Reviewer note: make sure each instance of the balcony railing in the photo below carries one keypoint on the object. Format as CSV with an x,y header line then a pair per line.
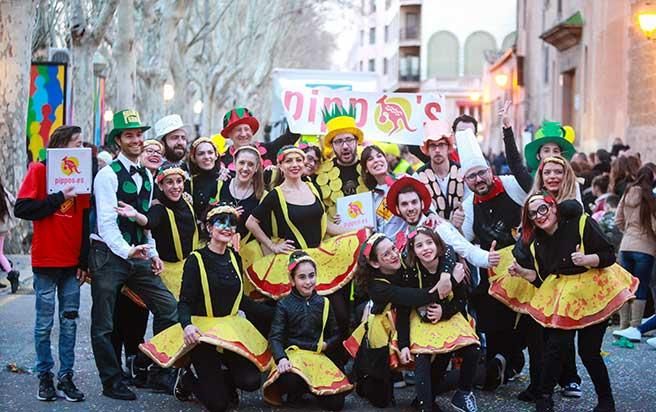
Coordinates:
x,y
409,33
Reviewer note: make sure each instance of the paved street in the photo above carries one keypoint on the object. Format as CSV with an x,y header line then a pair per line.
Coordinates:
x,y
632,374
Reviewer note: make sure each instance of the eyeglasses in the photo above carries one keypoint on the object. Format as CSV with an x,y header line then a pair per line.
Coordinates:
x,y
480,174
151,152
225,222
342,142
542,210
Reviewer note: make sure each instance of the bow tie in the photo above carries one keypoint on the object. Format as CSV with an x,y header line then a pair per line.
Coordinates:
x,y
137,169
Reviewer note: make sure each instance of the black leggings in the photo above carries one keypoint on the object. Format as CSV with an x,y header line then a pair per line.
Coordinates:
x,y
215,385
429,374
339,302
292,384
130,323
559,342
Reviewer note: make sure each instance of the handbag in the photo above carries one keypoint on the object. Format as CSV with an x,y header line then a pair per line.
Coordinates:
x,y
373,375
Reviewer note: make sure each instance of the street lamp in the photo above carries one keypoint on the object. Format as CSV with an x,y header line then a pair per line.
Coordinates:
x,y
108,116
168,92
647,21
198,107
475,97
501,80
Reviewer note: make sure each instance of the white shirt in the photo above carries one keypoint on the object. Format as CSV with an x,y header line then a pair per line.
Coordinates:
x,y
105,187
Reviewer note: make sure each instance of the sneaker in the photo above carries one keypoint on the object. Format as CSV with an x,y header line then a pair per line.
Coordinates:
x,y
67,389
12,277
631,333
397,378
494,372
652,342
46,390
181,388
572,390
464,401
418,406
118,390
645,320
409,377
544,404
138,373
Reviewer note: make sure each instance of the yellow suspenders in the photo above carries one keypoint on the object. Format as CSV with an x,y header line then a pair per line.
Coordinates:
x,y
177,243
582,220
206,286
326,309
290,224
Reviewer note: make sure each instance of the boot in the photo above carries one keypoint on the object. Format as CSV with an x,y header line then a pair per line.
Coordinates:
x,y
13,276
637,310
625,315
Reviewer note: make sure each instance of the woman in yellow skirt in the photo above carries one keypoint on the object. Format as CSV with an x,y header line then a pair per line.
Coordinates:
x,y
303,335
565,255
433,342
225,349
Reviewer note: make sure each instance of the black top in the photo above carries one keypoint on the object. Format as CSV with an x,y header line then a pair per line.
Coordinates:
x,y
160,227
248,204
349,176
306,218
224,287
553,252
383,293
514,159
299,321
204,189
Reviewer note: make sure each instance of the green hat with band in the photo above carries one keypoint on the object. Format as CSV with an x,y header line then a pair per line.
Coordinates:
x,y
550,132
124,120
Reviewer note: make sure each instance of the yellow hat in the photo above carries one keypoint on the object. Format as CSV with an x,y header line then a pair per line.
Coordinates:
x,y
338,121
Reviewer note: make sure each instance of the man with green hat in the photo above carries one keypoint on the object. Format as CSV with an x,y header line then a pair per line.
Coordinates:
x,y
122,252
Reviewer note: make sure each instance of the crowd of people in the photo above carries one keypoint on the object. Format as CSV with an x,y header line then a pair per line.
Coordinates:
x,y
254,283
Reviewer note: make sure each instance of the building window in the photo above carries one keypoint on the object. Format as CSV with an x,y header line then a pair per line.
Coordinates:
x,y
546,64
409,68
386,34
411,29
388,3
361,66
443,55
372,35
372,5
361,37
372,65
385,68
475,47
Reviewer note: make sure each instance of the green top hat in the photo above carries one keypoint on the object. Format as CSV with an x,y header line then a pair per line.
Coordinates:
x,y
550,132
124,120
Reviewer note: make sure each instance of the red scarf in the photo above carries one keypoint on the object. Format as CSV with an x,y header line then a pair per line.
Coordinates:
x,y
496,190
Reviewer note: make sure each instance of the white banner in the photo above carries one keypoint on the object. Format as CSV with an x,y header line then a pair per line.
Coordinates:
x,y
387,117
69,167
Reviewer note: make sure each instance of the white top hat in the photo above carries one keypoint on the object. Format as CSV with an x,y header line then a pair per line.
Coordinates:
x,y
169,123
469,151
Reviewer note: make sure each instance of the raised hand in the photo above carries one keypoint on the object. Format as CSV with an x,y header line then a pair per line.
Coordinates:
x,y
458,217
493,257
459,272
125,210
504,115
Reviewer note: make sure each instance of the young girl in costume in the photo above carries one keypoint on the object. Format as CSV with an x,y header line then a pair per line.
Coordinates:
x,y
225,349
432,343
579,286
303,332
379,276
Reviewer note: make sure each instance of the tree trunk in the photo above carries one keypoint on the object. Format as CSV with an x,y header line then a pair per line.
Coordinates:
x,y
126,60
15,54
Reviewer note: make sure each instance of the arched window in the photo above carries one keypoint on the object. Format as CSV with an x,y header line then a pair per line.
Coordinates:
x,y
443,55
508,41
475,46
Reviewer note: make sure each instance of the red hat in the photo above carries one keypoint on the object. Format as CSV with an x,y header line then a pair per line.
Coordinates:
x,y
393,194
237,116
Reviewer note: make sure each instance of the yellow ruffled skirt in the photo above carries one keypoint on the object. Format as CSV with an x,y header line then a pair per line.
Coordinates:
x,y
513,291
336,259
566,301
233,333
316,369
441,337
381,332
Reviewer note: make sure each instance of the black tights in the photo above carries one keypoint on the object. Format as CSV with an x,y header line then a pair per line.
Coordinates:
x,y
215,385
339,303
292,384
429,374
559,342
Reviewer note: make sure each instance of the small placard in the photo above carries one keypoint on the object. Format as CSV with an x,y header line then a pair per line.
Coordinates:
x,y
69,167
356,211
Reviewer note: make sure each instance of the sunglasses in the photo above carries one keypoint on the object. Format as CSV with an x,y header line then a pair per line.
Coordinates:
x,y
225,222
542,210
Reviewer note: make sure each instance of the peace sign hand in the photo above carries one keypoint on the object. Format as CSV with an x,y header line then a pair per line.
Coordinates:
x,y
504,116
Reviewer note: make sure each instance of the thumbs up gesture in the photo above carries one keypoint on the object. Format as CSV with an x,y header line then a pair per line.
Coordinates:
x,y
493,257
458,217
578,258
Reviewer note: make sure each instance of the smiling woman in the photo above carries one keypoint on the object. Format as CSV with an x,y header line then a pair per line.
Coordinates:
x,y
555,175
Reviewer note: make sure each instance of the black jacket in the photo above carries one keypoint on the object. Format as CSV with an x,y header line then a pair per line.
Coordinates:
x,y
298,321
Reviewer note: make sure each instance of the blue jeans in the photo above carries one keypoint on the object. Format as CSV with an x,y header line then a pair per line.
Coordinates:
x,y
65,285
640,265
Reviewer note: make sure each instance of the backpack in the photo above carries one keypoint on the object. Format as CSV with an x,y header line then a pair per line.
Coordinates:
x,y
372,374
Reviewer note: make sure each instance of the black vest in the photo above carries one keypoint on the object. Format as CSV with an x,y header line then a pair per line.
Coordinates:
x,y
495,219
127,192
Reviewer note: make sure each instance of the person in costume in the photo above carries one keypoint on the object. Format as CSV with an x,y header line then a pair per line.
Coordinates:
x,y
374,165
397,164
152,155
441,175
432,343
59,259
313,160
210,298
342,175
565,255
492,216
379,275
409,199
174,134
240,126
303,335
122,252
555,175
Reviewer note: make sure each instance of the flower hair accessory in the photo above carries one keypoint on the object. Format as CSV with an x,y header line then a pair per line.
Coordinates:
x,y
368,246
294,261
222,208
552,159
168,171
285,150
421,229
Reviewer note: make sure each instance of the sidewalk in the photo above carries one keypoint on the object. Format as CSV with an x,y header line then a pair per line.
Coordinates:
x,y
22,263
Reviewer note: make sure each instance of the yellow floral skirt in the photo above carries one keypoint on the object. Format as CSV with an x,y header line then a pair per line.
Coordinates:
x,y
336,260
233,333
513,291
381,332
316,369
441,337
